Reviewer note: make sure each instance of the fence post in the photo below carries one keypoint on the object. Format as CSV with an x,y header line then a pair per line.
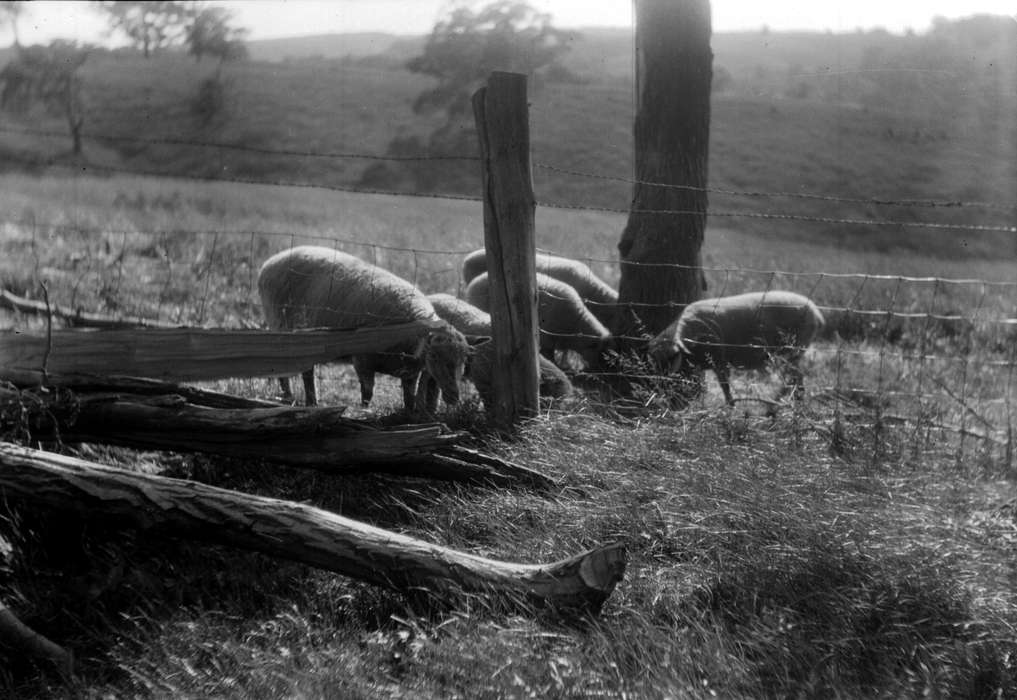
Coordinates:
x,y
500,110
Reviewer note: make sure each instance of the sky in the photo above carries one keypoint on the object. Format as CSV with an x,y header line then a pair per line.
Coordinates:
x,y
45,20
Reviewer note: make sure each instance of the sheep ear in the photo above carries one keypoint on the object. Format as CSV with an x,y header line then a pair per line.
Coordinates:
x,y
475,341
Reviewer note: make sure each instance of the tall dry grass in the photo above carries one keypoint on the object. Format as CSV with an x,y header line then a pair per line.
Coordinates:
x,y
853,546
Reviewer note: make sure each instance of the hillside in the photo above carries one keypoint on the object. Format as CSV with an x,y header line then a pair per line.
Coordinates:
x,y
792,113
321,47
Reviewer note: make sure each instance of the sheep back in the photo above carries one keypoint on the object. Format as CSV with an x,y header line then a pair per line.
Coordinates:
x,y
464,316
311,286
565,321
744,330
595,292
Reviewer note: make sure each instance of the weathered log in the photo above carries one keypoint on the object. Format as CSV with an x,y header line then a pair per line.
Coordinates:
x,y
192,354
314,437
109,384
16,635
75,317
302,533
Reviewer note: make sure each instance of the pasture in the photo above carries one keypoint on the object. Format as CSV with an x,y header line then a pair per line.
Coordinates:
x,y
859,544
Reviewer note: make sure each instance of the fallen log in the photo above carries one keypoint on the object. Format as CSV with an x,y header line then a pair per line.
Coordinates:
x,y
74,317
302,533
93,383
191,354
313,437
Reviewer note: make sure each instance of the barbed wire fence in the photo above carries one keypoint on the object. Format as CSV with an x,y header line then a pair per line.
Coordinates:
x,y
923,354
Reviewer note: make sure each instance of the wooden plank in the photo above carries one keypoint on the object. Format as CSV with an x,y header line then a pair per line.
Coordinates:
x,y
192,354
501,116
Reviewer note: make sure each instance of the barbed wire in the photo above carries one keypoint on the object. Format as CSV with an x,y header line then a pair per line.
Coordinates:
x,y
786,217
796,195
876,201
331,238
79,168
262,150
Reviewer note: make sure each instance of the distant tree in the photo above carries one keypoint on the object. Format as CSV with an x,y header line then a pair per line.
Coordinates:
x,y
47,76
462,50
150,25
10,13
210,33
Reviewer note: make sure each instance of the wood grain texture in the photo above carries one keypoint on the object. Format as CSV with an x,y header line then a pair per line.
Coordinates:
x,y
302,533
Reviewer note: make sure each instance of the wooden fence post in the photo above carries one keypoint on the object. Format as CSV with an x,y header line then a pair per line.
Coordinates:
x,y
500,110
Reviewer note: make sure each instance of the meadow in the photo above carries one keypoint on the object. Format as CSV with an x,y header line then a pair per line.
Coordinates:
x,y
852,546
858,544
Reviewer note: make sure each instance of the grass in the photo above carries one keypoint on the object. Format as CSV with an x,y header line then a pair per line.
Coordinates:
x,y
857,545
832,551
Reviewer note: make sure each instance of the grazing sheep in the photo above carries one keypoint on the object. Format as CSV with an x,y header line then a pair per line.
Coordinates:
x,y
312,286
597,294
747,331
565,322
471,321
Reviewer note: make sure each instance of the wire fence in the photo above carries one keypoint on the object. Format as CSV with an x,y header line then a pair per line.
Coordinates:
x,y
898,352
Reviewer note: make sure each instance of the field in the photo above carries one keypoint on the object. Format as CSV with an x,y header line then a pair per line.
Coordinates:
x,y
817,553
859,544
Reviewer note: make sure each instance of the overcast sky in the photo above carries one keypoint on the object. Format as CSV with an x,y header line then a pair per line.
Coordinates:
x,y
46,20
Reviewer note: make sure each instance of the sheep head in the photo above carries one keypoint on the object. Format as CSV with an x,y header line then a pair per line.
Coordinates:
x,y
668,353
444,351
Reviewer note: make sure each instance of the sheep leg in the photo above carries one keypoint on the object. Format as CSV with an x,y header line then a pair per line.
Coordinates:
x,y
794,383
310,395
410,391
284,388
723,373
427,394
365,374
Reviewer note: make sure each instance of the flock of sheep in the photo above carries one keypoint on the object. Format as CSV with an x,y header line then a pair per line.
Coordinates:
x,y
313,286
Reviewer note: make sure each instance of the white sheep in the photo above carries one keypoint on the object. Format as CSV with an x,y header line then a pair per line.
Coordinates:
x,y
564,320
747,331
471,321
313,286
597,294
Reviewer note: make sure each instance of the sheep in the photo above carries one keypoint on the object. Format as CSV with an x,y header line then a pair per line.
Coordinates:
x,y
565,322
597,294
312,286
471,321
746,331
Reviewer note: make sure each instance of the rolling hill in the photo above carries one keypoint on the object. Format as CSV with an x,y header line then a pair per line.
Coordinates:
x,y
845,117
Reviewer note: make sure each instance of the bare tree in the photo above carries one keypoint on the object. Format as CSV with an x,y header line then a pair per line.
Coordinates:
x,y
47,76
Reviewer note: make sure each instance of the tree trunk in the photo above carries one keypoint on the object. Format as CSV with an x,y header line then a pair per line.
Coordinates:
x,y
301,533
661,264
